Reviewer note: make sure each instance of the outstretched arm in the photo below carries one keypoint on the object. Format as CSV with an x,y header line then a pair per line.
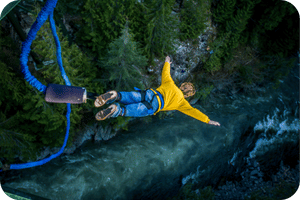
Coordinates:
x,y
187,109
166,76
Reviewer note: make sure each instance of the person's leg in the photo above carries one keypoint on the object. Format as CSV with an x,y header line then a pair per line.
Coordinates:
x,y
131,110
114,96
115,110
129,97
135,109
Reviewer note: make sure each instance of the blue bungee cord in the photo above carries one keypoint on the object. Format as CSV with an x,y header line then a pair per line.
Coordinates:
x,y
47,11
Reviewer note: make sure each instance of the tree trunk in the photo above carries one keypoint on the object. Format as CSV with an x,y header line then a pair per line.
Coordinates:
x,y
15,23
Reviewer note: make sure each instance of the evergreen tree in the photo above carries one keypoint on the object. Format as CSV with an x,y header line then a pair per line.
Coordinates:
x,y
80,72
27,121
238,23
161,27
273,27
269,13
253,22
12,142
224,11
214,62
125,62
138,21
193,17
103,21
232,17
284,41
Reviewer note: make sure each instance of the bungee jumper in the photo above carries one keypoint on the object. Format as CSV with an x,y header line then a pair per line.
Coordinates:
x,y
137,104
142,103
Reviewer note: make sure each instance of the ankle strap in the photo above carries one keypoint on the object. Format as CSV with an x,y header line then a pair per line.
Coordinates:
x,y
119,97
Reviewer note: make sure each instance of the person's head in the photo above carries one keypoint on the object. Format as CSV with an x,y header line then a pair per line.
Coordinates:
x,y
187,89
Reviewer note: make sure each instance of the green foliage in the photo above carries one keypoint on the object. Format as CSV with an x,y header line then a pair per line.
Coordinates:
x,y
103,21
27,121
238,25
266,26
120,123
125,62
72,7
232,24
12,142
220,52
161,28
193,17
10,52
204,91
187,193
246,73
280,68
224,11
147,119
282,190
272,28
138,22
207,193
45,120
214,62
10,87
164,114
80,71
275,68
269,14
15,143
283,41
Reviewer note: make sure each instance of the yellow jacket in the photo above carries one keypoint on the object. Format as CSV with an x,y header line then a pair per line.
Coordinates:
x,y
174,99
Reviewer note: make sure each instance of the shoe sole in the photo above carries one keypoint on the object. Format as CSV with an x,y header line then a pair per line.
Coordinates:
x,y
106,113
102,99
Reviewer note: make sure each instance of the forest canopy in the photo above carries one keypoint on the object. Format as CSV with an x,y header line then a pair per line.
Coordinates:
x,y
108,44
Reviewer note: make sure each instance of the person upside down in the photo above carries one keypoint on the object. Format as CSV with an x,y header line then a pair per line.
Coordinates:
x,y
142,103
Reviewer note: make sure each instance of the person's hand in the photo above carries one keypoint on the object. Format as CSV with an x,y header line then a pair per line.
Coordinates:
x,y
168,59
214,123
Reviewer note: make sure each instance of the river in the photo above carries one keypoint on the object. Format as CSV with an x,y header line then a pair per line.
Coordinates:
x,y
154,160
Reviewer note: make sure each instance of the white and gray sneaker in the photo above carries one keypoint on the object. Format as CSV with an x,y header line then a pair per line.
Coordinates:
x,y
108,97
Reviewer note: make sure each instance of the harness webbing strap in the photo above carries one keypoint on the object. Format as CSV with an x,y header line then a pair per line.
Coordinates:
x,y
149,105
158,99
146,103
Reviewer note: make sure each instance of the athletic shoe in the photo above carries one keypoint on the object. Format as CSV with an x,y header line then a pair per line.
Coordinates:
x,y
106,113
108,97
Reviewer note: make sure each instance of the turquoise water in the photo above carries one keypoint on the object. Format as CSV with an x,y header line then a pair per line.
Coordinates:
x,y
153,160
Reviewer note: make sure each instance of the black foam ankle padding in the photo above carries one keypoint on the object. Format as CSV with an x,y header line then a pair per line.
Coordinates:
x,y
91,95
64,94
119,96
